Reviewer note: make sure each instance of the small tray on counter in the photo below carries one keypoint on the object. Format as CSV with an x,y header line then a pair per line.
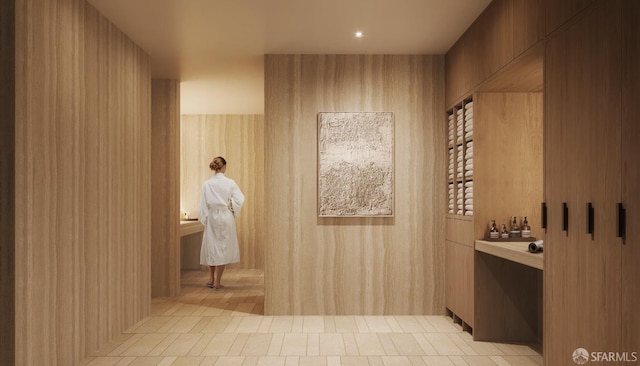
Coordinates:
x,y
530,239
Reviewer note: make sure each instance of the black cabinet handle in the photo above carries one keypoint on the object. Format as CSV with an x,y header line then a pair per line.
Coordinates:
x,y
622,220
590,216
543,210
565,217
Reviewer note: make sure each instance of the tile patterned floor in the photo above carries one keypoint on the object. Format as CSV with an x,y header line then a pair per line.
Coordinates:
x,y
219,328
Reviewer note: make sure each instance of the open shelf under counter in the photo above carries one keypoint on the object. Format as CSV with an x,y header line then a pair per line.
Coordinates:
x,y
515,251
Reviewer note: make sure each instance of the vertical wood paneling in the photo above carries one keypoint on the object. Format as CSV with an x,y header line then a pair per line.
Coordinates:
x,y
165,187
559,12
482,50
631,174
353,265
82,182
528,24
582,113
508,159
240,140
7,179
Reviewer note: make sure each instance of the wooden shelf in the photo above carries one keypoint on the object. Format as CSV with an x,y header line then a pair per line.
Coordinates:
x,y
514,251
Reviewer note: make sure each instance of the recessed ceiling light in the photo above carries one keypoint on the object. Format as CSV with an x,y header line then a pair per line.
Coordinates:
x,y
358,34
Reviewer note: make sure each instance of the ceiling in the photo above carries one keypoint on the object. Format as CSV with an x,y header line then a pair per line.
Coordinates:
x,y
216,47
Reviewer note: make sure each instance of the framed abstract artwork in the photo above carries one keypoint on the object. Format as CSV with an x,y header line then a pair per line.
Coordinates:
x,y
355,164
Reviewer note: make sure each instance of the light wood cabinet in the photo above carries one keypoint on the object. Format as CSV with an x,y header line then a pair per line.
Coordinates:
x,y
590,284
505,180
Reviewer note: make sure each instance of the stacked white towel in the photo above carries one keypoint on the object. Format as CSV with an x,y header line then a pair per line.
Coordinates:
x,y
468,173
469,105
451,207
468,213
468,194
469,184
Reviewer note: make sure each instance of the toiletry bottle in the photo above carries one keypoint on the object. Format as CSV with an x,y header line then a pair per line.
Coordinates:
x,y
493,231
504,234
526,229
515,229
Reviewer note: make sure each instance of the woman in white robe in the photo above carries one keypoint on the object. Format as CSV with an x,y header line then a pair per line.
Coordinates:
x,y
220,203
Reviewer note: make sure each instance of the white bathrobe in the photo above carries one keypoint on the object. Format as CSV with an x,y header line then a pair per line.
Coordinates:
x,y
220,202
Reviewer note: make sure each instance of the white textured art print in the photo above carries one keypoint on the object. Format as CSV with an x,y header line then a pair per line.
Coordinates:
x,y
355,164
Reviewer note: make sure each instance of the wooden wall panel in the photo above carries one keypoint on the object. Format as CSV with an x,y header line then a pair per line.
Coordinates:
x,y
482,50
354,265
508,160
7,180
240,140
528,24
631,174
558,13
165,185
82,182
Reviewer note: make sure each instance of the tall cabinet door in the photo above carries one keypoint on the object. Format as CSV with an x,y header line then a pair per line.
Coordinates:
x,y
631,177
582,131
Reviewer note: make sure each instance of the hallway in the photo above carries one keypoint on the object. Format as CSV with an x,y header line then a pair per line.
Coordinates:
x,y
218,328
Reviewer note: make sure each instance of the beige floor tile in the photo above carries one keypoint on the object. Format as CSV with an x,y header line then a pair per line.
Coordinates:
x,y
312,361
346,324
145,345
377,324
201,344
350,344
158,349
369,344
332,344
313,344
479,361
409,324
238,345
106,361
424,344
208,328
396,361
217,324
219,345
387,344
265,324
458,361
128,342
182,345
276,344
416,361
437,361
257,345
394,325
147,361
462,344
249,324
271,361
229,361
520,360
281,324
313,324
188,361
362,325
443,344
294,344
354,361
406,344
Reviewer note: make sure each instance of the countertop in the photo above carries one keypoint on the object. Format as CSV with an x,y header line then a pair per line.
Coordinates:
x,y
190,227
515,251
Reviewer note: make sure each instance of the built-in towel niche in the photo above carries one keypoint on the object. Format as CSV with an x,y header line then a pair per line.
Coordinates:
x,y
460,152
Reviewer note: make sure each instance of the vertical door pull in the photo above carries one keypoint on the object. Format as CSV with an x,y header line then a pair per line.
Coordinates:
x,y
544,215
565,217
590,215
622,220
